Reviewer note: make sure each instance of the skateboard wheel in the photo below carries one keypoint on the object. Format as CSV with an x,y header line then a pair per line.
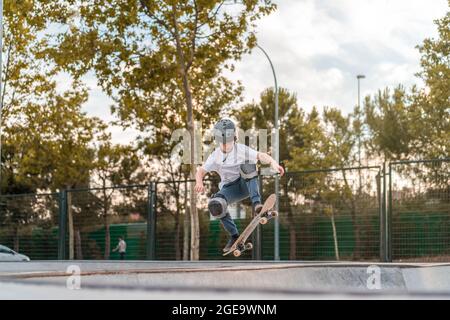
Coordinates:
x,y
237,253
249,246
274,214
263,221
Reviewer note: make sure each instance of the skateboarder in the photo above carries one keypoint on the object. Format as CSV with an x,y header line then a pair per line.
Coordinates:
x,y
236,165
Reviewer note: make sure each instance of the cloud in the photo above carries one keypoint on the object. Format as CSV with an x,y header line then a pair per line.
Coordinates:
x,y
319,46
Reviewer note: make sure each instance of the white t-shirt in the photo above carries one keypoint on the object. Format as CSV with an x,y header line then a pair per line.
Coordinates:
x,y
122,246
227,165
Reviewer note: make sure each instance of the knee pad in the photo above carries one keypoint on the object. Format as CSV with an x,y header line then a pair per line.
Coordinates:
x,y
218,207
248,171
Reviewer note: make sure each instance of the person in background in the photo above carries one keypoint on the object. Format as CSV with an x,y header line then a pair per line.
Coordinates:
x,y
121,247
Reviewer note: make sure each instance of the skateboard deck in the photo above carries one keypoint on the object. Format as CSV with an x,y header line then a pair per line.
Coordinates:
x,y
262,217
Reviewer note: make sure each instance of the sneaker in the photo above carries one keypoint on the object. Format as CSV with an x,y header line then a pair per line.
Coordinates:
x,y
230,242
257,208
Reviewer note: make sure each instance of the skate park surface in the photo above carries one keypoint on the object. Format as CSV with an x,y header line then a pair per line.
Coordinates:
x,y
236,280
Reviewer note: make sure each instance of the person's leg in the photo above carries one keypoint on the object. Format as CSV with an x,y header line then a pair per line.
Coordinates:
x,y
229,225
218,204
252,186
250,179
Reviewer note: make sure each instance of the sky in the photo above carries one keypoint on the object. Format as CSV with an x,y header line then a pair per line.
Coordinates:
x,y
318,47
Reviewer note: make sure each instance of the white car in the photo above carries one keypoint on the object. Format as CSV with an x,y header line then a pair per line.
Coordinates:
x,y
6,254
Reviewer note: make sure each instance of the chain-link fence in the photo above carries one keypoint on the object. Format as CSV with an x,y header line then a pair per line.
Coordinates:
x,y
29,224
419,206
173,221
96,218
398,212
331,214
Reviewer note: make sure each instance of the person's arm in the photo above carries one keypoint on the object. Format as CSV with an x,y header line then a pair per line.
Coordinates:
x,y
116,248
200,174
266,159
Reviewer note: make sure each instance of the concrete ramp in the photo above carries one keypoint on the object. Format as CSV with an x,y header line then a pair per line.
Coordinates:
x,y
239,280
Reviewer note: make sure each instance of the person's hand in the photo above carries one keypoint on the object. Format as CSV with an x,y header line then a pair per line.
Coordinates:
x,y
199,187
276,167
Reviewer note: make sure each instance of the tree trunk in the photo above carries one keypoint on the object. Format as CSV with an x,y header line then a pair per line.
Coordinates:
x,y
292,236
291,222
186,225
336,246
354,220
195,228
177,227
79,251
70,224
107,239
106,223
357,235
177,230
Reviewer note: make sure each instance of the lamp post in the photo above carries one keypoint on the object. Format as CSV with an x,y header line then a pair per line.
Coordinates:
x,y
277,159
359,77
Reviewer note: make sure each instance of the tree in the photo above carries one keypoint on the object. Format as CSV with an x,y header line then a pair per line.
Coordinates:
x,y
341,151
388,120
26,80
430,106
147,53
45,135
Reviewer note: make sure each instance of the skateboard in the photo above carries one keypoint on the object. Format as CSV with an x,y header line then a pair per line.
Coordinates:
x,y
266,213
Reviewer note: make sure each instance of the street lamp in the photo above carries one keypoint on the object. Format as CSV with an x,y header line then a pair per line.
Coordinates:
x,y
277,159
359,77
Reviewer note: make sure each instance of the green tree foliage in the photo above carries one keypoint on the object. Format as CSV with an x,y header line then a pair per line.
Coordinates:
x,y
430,108
388,121
340,138
132,47
45,136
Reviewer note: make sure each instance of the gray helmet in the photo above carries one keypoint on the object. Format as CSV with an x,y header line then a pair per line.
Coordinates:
x,y
224,131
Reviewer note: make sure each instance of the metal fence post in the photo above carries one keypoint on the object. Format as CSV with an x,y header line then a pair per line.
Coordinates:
x,y
62,224
151,222
257,235
380,210
383,215
389,219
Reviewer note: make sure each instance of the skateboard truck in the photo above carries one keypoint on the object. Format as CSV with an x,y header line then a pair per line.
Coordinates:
x,y
242,248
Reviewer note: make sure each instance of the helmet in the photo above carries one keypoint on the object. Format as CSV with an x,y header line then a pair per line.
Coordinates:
x,y
224,131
